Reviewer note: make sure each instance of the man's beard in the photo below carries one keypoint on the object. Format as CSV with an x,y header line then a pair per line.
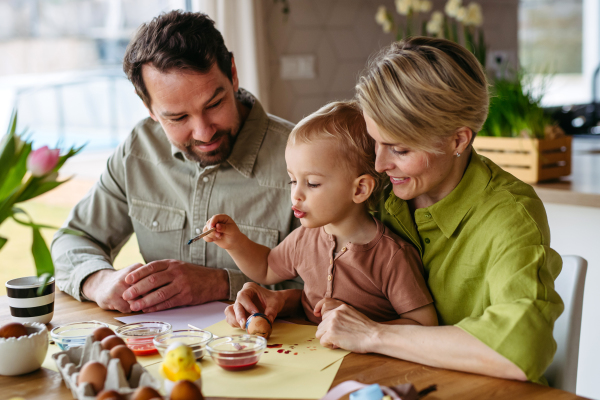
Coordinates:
x,y
213,157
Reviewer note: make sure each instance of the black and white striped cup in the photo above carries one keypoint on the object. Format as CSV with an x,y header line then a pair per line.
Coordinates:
x,y
25,304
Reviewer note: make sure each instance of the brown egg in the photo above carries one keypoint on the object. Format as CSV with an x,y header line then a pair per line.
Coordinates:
x,y
109,395
93,373
126,356
145,393
111,341
258,324
101,333
13,329
186,390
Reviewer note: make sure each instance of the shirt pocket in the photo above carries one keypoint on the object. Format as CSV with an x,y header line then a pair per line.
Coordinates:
x,y
265,236
159,229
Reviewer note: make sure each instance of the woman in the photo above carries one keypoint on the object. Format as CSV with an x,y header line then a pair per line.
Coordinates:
x,y
483,234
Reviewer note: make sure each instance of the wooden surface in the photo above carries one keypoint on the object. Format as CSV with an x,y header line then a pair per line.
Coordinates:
x,y
46,384
582,187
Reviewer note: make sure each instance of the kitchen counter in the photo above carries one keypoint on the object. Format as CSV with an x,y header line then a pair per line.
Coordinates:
x,y
582,187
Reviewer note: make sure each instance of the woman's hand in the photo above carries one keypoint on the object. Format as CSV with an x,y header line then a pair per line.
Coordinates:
x,y
251,300
346,328
326,305
226,234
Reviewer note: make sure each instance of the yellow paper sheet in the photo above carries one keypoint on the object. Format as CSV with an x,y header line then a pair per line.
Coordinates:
x,y
263,381
299,346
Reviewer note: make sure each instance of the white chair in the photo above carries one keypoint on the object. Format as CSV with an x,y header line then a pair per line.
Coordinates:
x,y
562,373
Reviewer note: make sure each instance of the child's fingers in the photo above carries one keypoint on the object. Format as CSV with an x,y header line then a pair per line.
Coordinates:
x,y
318,307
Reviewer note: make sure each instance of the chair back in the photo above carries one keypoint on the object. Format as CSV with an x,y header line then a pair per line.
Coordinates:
x,y
562,373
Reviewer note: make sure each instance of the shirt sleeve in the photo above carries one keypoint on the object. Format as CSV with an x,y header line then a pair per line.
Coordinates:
x,y
281,257
404,284
519,322
102,218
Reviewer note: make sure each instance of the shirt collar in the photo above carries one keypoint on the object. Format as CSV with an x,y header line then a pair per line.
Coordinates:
x,y
249,138
449,212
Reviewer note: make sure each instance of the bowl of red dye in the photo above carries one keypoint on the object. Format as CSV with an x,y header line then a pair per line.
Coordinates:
x,y
238,352
139,336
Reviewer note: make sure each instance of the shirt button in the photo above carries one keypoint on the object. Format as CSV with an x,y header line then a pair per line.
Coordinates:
x,y
197,231
428,215
329,277
427,240
205,179
154,223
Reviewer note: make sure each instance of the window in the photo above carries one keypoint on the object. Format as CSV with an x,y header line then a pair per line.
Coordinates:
x,y
560,39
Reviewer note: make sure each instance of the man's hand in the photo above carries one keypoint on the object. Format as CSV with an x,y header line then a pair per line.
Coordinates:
x,y
326,305
251,300
226,234
164,284
106,288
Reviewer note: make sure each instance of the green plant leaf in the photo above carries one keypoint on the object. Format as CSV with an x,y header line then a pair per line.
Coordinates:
x,y
8,148
43,279
71,232
41,254
30,224
70,153
2,242
37,188
16,172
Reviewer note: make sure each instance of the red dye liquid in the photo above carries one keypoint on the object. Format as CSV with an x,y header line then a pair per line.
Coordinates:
x,y
287,352
238,367
141,347
274,346
280,351
239,361
145,352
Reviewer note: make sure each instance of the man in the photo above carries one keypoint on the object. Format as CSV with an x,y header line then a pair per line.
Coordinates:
x,y
207,148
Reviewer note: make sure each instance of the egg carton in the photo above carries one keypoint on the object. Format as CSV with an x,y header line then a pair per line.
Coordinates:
x,y
71,361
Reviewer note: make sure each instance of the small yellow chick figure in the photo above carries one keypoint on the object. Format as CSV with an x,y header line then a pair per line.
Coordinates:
x,y
180,364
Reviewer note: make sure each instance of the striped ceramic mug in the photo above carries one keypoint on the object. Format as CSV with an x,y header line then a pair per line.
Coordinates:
x,y
25,304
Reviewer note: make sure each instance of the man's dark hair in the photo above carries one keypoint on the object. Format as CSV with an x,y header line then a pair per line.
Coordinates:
x,y
175,40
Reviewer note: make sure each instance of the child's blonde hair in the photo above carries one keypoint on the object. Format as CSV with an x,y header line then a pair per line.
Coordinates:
x,y
343,122
420,90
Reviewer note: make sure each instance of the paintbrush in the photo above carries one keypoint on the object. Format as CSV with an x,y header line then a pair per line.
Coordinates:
x,y
200,236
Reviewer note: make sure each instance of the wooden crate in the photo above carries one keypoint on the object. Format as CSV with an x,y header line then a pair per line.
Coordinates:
x,y
530,160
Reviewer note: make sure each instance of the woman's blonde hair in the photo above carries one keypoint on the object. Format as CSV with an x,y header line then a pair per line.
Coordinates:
x,y
343,122
420,90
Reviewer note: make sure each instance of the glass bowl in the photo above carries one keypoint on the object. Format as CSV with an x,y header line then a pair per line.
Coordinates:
x,y
73,335
139,336
194,338
238,352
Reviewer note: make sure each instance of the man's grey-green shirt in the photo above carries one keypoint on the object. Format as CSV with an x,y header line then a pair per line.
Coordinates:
x,y
150,188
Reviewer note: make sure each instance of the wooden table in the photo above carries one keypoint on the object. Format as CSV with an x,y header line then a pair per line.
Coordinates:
x,y
46,384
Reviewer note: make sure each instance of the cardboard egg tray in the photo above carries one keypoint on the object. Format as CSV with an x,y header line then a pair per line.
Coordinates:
x,y
69,364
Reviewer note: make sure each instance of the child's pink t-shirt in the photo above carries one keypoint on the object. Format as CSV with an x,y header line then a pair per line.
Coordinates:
x,y
381,279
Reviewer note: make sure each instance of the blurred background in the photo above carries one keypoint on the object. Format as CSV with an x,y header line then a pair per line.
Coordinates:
x,y
61,68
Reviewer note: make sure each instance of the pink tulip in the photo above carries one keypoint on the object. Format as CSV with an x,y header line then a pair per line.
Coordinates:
x,y
42,160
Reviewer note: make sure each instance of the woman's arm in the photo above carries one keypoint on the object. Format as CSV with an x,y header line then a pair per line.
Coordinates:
x,y
439,346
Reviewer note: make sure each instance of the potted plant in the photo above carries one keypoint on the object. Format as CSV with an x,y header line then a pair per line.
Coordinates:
x,y
520,137
24,174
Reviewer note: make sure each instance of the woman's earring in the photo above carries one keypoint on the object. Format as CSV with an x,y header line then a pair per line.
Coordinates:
x,y
457,154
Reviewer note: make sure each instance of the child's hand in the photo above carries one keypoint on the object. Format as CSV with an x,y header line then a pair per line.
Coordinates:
x,y
325,305
227,233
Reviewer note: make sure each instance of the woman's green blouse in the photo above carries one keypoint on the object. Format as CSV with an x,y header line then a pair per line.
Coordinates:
x,y
488,262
